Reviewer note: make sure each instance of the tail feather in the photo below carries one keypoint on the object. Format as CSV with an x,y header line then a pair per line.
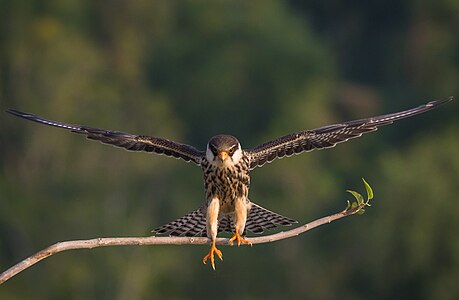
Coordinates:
x,y
194,223
261,219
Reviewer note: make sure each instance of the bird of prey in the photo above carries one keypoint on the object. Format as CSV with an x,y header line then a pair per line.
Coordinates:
x,y
226,167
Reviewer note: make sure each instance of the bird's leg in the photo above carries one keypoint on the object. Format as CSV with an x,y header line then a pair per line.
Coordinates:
x,y
212,229
240,218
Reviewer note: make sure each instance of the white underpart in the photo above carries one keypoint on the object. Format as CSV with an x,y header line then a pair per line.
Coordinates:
x,y
209,155
237,155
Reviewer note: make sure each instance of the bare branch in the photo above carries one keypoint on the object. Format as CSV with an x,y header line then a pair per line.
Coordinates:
x,y
172,240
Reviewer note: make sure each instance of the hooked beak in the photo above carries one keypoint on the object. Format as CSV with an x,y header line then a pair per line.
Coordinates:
x,y
223,155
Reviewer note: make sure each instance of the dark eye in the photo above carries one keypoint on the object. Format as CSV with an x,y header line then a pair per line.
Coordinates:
x,y
231,151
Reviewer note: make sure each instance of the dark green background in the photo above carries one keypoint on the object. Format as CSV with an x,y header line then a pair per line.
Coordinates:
x,y
187,70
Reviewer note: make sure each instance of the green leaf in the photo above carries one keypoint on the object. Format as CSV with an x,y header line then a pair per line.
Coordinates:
x,y
360,202
357,196
369,190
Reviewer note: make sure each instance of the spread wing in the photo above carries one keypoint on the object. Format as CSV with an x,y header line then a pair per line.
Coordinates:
x,y
328,136
124,140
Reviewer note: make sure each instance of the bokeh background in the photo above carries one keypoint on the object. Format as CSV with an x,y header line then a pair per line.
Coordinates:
x,y
187,70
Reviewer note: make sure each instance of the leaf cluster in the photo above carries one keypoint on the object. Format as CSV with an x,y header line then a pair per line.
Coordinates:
x,y
358,206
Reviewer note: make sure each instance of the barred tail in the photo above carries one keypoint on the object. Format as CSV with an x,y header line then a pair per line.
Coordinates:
x,y
194,223
261,219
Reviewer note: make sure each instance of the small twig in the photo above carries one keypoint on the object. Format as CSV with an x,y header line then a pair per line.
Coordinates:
x,y
154,240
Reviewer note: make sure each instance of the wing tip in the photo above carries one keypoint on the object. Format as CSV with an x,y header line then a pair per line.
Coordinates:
x,y
438,102
22,114
15,112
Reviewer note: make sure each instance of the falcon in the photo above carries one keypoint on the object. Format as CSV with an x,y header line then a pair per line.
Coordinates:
x,y
226,167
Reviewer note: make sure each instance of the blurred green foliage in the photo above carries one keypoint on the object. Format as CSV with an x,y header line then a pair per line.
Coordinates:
x,y
187,70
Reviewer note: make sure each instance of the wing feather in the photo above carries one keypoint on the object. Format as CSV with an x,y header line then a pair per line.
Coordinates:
x,y
328,136
124,140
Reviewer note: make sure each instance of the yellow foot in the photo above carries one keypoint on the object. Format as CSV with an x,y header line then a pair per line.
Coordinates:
x,y
213,250
240,240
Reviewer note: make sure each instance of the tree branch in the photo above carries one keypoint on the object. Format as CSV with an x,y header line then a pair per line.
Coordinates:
x,y
172,240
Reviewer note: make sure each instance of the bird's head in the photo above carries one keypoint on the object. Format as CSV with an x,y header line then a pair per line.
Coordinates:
x,y
223,150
